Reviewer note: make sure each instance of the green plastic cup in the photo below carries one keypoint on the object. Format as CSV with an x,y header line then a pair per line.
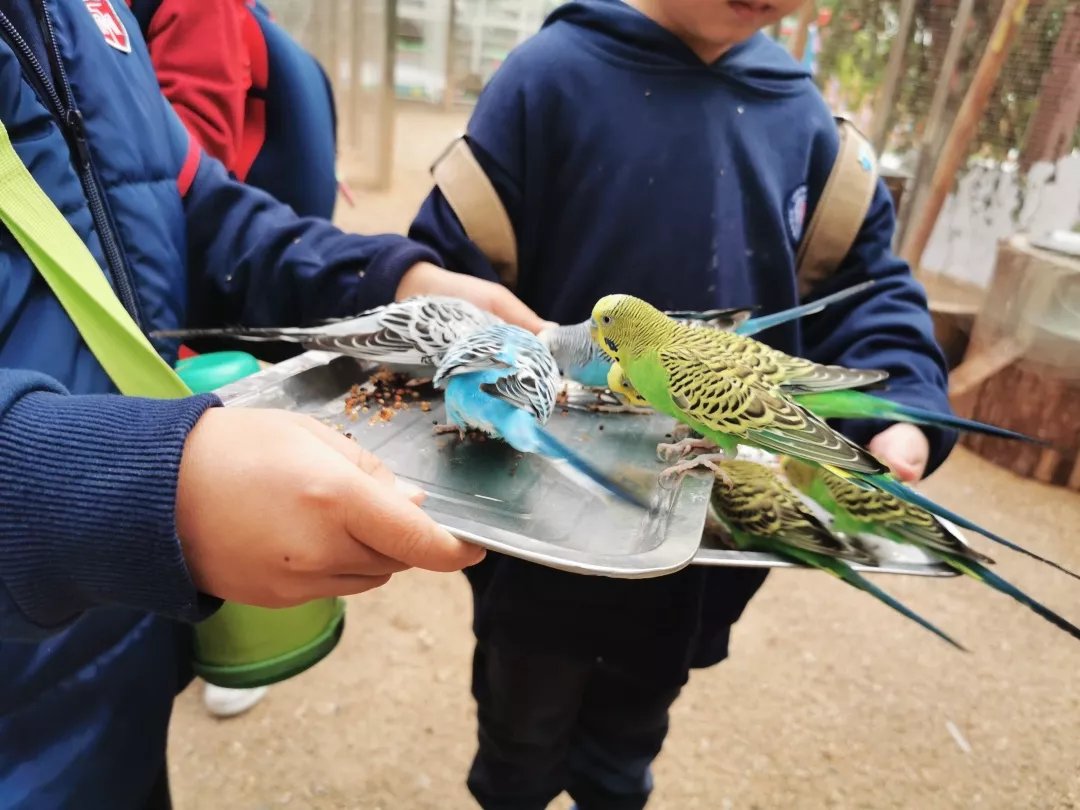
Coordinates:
x,y
243,646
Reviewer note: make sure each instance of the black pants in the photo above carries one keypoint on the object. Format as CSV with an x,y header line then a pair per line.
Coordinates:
x,y
160,798
573,676
555,722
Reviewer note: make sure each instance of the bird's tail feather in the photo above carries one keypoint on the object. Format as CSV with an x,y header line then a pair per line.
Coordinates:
x,y
893,487
258,335
553,448
843,571
988,577
755,325
920,416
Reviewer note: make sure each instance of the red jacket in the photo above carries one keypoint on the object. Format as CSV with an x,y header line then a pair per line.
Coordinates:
x,y
249,93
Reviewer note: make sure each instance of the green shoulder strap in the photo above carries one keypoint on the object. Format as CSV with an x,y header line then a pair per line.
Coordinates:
x,y
78,282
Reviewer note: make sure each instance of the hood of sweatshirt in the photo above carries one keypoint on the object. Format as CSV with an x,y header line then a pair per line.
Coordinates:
x,y
620,33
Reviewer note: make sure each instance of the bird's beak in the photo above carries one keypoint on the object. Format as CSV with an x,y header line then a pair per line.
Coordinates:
x,y
593,328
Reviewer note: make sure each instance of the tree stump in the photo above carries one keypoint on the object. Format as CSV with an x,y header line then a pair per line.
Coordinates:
x,y
953,307
1021,370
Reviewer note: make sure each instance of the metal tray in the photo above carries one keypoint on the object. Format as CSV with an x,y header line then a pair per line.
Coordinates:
x,y
895,559
486,493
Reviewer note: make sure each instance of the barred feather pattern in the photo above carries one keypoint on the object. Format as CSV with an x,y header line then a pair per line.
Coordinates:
x,y
760,504
886,512
421,328
416,331
635,323
729,398
531,381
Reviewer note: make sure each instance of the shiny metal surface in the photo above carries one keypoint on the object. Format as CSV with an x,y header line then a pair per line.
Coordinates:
x,y
896,559
521,505
524,506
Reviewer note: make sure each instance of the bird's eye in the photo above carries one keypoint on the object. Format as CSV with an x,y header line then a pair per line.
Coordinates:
x,y
606,320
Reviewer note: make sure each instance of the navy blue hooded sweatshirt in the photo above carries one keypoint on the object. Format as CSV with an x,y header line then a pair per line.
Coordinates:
x,y
627,165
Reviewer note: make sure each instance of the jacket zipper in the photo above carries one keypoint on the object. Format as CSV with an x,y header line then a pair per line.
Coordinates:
x,y
71,124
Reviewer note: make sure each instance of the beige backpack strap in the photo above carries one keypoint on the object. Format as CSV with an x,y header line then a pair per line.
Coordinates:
x,y
470,193
841,211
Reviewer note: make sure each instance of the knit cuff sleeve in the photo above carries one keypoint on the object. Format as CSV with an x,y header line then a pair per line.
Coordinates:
x,y
87,505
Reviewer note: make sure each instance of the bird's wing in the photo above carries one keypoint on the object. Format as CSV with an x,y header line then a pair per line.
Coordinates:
x,y
729,398
417,330
907,521
794,375
533,383
759,504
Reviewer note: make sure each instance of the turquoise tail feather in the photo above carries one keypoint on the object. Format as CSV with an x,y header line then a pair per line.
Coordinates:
x,y
988,577
858,405
755,325
932,419
845,572
864,584
551,446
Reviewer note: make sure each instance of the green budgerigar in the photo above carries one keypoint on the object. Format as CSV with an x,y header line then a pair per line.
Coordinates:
x,y
760,513
732,391
829,392
856,510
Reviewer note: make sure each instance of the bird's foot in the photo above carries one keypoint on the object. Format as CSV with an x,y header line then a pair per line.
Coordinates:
x,y
439,430
681,449
682,431
709,461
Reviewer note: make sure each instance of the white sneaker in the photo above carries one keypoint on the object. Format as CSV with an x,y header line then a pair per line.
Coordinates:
x,y
222,702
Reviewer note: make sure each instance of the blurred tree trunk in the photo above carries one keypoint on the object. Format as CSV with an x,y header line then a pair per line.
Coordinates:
x,y
1053,126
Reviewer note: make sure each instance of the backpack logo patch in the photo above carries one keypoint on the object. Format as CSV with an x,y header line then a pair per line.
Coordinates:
x,y
796,212
110,24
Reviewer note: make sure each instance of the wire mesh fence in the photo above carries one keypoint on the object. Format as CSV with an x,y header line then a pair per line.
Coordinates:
x,y
1022,171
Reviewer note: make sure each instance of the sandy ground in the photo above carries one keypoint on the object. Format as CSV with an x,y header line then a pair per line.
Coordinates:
x,y
829,700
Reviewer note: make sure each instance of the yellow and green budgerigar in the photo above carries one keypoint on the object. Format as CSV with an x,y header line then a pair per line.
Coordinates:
x,y
760,513
827,391
732,397
856,510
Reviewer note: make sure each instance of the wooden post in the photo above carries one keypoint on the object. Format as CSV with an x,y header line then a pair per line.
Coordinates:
x,y
384,172
450,87
963,130
356,70
935,119
879,125
1054,122
802,29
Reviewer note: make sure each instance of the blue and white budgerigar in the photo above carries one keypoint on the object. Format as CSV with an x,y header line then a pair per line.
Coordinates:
x,y
502,381
413,332
581,360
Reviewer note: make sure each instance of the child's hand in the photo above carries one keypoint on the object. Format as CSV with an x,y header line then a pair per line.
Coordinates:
x,y
274,509
427,279
904,448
